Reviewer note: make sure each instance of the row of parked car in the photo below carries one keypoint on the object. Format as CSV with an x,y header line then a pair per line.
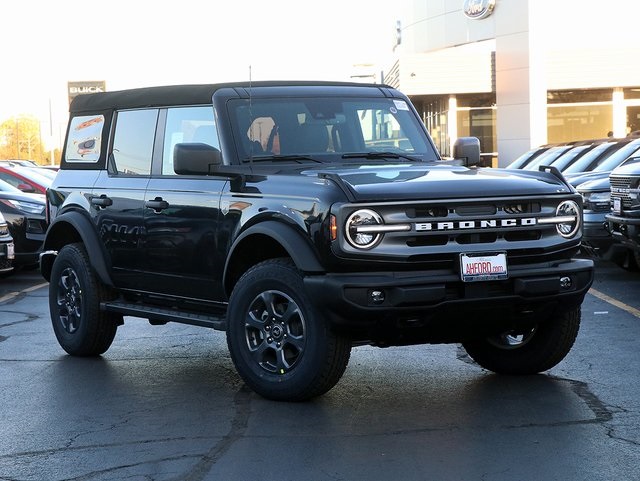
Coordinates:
x,y
23,185
590,166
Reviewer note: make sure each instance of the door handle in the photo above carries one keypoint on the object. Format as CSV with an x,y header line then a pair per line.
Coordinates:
x,y
102,201
157,204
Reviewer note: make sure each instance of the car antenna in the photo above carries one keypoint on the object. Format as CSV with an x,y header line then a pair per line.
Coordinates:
x,y
250,121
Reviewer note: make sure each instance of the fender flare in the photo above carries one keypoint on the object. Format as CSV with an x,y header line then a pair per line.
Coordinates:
x,y
296,245
86,230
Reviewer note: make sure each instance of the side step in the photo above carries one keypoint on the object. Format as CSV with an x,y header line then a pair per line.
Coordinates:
x,y
154,313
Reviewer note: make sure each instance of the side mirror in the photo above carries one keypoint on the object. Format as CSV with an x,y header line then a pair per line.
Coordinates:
x,y
467,149
29,189
195,158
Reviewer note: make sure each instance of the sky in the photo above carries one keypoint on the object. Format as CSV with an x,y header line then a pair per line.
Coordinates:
x,y
137,43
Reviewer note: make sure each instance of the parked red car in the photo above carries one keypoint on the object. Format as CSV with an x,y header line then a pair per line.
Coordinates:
x,y
24,178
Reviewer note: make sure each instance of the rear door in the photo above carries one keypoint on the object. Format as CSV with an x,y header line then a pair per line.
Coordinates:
x,y
117,198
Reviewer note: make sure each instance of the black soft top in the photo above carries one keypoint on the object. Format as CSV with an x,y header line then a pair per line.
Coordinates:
x,y
198,94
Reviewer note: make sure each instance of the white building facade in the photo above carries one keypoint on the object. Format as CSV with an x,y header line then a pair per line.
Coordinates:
x,y
520,73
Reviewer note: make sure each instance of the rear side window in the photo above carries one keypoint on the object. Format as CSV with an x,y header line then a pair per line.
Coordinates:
x,y
133,141
187,124
84,139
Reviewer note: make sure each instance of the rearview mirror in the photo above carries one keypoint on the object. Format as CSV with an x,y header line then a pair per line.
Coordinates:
x,y
195,158
467,149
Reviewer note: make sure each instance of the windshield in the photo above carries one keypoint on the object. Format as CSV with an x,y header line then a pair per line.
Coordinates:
x,y
325,129
569,157
547,158
524,158
614,160
582,164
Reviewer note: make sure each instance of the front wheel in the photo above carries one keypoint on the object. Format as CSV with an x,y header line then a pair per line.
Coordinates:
x,y
75,293
280,346
527,351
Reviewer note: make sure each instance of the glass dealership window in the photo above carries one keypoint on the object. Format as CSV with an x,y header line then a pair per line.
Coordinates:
x,y
632,93
480,123
435,116
579,96
570,122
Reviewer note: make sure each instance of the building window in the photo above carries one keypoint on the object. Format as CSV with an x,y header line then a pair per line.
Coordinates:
x,y
568,122
479,123
435,117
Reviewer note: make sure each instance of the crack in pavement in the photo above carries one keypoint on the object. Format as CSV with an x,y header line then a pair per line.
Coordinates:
x,y
242,404
28,318
198,472
89,447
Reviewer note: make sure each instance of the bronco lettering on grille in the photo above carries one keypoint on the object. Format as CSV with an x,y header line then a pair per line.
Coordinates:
x,y
475,224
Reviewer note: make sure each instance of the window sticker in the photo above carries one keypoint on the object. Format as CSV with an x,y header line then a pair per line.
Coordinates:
x,y
85,139
401,105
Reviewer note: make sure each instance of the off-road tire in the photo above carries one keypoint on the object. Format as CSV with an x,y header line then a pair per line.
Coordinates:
x,y
541,348
280,346
75,294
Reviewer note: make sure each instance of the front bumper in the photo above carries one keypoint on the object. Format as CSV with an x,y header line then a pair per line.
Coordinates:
x,y
7,255
418,307
595,235
625,230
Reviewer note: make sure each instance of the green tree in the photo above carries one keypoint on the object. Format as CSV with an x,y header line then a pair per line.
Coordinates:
x,y
20,139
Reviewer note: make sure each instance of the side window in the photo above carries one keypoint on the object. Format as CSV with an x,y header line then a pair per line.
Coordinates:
x,y
85,138
187,124
133,141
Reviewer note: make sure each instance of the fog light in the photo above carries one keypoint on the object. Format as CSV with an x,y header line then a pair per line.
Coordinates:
x,y
376,297
565,282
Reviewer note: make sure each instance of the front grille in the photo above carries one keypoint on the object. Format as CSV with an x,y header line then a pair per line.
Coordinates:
x,y
620,187
440,230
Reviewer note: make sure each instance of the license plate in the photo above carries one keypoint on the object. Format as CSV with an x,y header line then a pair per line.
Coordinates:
x,y
483,267
617,205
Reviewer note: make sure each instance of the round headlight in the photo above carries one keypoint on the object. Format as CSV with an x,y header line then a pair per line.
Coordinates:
x,y
361,228
569,218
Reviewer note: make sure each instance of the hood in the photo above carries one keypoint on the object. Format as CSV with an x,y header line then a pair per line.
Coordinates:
x,y
596,184
631,167
24,197
410,181
578,178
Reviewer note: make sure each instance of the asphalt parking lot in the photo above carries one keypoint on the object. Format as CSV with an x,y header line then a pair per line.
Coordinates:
x,y
164,403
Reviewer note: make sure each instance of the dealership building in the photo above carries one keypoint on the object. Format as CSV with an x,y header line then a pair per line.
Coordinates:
x,y
519,73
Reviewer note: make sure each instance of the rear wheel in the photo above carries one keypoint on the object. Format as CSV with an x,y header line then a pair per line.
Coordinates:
x,y
280,346
75,294
528,351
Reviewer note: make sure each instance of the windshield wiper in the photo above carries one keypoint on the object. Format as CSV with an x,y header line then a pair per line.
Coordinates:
x,y
294,157
379,155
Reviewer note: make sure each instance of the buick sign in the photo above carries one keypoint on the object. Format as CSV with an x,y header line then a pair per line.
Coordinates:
x,y
477,9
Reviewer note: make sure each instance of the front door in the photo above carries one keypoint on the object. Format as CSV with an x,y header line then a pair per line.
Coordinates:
x,y
181,216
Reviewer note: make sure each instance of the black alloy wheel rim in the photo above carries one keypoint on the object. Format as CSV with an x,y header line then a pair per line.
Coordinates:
x,y
69,300
275,331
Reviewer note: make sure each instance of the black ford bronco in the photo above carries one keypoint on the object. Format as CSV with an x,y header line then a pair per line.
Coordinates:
x,y
623,222
304,219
